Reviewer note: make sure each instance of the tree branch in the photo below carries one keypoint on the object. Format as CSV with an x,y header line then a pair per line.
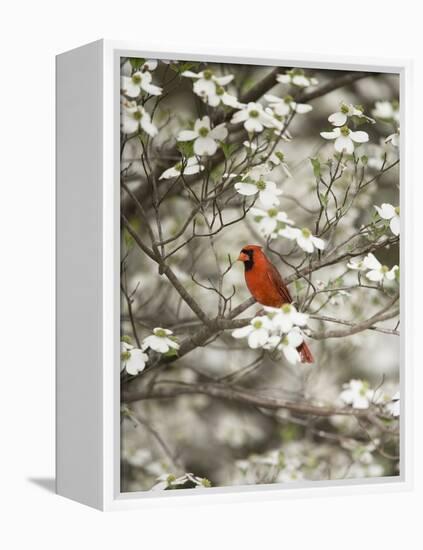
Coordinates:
x,y
168,389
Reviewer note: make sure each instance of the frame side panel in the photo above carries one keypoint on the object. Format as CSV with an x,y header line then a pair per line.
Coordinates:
x,y
79,275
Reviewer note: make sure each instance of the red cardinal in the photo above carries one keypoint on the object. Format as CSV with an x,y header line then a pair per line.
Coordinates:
x,y
267,286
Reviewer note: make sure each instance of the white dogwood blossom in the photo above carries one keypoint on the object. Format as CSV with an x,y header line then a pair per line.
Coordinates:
x,y
277,157
285,105
357,393
189,167
135,117
132,85
393,406
394,139
204,137
270,220
278,330
258,332
253,183
170,481
345,139
255,118
133,359
378,272
286,317
289,344
297,78
209,87
304,238
357,265
390,213
386,110
160,341
345,111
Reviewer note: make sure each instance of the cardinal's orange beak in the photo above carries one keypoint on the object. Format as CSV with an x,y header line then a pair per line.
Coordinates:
x,y
243,257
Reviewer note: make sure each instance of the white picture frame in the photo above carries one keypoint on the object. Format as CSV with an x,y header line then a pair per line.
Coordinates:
x,y
88,311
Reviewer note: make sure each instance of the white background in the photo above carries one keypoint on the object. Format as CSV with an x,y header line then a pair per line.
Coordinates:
x,y
31,34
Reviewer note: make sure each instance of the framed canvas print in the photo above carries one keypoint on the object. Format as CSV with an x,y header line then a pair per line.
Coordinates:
x,y
231,288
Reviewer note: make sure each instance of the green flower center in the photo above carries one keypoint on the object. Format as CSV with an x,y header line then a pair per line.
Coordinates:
x,y
178,166
272,213
288,99
306,232
219,90
285,341
257,324
261,185
286,308
161,333
344,109
397,210
280,155
364,389
125,355
253,113
345,130
207,75
137,115
136,79
384,269
203,132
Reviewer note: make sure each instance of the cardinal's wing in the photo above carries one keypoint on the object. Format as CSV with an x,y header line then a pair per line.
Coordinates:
x,y
278,283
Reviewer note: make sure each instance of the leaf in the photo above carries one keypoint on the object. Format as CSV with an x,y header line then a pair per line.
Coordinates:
x,y
172,352
136,62
184,66
186,148
228,148
315,162
127,237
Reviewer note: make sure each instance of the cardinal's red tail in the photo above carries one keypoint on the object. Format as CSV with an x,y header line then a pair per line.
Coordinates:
x,y
305,353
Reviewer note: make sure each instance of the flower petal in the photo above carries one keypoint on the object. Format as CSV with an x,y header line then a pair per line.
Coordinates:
x,y
129,87
129,124
247,189
253,125
395,225
239,116
268,198
374,275
283,78
359,137
223,80
371,262
295,338
330,135
344,144
338,119
242,332
303,108
187,135
318,243
386,211
219,132
258,338
291,354
205,146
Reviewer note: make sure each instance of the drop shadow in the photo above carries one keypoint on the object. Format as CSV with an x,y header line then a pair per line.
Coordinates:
x,y
46,483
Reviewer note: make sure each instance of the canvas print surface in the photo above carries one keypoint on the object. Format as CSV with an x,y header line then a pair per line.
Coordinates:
x,y
260,274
